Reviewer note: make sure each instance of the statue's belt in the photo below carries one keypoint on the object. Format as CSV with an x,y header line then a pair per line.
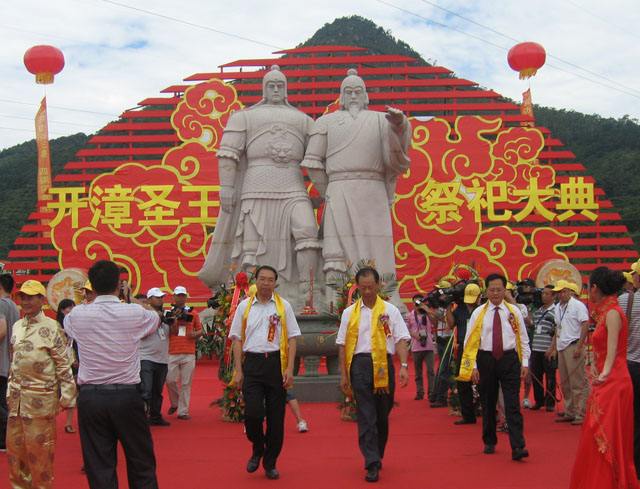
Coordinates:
x,y
355,175
275,164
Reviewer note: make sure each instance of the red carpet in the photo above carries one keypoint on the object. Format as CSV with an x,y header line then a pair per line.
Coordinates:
x,y
425,450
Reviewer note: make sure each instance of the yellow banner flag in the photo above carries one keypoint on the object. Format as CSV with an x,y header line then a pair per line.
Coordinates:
x,y
526,108
44,158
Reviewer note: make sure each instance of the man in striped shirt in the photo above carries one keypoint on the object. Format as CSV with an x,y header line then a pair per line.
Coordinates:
x,y
543,358
630,304
110,406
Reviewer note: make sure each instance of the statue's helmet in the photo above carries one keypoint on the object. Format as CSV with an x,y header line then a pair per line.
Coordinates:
x,y
353,80
274,74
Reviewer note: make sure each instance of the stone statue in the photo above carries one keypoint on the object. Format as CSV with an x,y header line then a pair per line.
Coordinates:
x,y
354,157
266,215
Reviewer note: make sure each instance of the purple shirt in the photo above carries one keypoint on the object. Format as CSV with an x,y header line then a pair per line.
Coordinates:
x,y
415,327
108,334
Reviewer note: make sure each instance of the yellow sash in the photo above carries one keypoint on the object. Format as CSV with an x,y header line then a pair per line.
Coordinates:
x,y
468,361
378,343
284,338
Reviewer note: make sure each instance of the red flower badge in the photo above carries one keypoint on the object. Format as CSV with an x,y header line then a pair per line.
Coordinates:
x,y
384,324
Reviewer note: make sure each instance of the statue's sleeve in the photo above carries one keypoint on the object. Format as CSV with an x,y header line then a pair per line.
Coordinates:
x,y
233,138
395,148
317,146
232,147
398,140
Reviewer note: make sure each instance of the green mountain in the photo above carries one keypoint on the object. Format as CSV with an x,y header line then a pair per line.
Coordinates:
x,y
18,166
609,148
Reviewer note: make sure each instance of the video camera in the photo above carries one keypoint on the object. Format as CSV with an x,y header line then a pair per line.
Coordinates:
x,y
213,302
177,313
527,293
445,297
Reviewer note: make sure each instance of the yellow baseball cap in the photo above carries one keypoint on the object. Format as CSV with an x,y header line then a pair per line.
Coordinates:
x,y
510,286
87,285
561,284
574,286
471,293
443,284
628,276
635,267
33,287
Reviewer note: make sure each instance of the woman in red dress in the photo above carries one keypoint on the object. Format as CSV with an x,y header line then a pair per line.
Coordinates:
x,y
605,452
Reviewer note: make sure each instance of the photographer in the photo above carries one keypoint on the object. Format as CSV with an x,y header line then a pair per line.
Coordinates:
x,y
443,337
184,332
420,328
458,317
543,358
154,357
524,310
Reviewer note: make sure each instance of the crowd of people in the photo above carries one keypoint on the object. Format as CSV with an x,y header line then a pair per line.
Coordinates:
x,y
484,343
506,343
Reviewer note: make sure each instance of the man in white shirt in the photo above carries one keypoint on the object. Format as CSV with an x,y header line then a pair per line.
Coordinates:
x,y
264,332
497,330
572,319
110,407
368,326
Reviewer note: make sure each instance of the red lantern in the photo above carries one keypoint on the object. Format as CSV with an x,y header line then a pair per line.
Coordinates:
x,y
526,58
44,62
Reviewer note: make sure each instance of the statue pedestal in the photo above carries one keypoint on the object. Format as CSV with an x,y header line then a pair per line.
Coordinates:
x,y
318,340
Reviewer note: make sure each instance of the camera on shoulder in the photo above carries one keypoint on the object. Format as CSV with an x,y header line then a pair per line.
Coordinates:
x,y
177,314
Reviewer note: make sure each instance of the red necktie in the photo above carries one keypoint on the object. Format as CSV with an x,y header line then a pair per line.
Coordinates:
x,y
496,344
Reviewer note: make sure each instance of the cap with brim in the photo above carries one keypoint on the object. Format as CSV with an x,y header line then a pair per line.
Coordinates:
x,y
33,287
180,290
574,287
560,284
635,268
87,285
471,293
443,284
154,292
628,276
510,286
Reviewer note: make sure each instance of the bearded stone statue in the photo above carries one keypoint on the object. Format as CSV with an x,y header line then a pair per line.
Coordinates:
x,y
354,158
266,215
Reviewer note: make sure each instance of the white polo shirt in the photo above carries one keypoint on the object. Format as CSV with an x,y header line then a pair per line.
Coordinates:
x,y
569,318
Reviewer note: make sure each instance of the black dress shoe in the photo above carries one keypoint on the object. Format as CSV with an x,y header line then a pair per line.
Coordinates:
x,y
535,407
438,404
419,397
253,463
465,421
519,453
372,473
272,474
489,449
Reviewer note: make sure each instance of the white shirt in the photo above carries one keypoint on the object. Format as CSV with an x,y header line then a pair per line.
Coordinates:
x,y
108,334
257,333
569,318
508,335
397,326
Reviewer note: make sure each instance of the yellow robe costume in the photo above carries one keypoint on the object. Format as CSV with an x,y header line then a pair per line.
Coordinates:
x,y
40,384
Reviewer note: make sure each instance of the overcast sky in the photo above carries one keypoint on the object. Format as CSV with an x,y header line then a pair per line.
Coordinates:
x,y
117,54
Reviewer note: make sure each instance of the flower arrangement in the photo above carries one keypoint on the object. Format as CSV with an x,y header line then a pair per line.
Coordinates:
x,y
218,343
215,327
